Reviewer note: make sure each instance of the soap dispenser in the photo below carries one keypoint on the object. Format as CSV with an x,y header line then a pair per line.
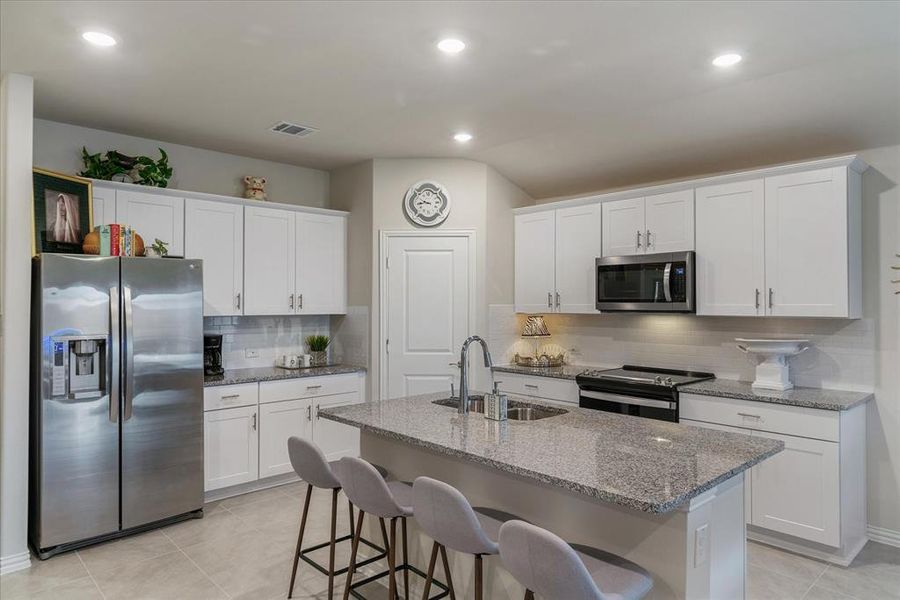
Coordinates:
x,y
496,405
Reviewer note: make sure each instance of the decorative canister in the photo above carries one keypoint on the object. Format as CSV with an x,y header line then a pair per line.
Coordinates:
x,y
318,358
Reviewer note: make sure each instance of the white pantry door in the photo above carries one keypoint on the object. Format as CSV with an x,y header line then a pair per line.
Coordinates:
x,y
426,306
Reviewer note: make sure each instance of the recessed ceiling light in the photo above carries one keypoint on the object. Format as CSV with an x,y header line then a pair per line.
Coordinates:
x,y
451,46
99,39
727,60
462,137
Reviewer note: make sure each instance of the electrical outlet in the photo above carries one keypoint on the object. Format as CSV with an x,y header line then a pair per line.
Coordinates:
x,y
701,545
251,353
228,338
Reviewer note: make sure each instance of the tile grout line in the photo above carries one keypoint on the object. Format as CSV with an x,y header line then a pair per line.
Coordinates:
x,y
199,568
91,575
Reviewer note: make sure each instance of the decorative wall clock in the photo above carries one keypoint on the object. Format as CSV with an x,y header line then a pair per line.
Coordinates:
x,y
427,203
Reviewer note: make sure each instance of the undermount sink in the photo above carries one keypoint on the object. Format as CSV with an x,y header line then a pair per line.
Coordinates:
x,y
517,411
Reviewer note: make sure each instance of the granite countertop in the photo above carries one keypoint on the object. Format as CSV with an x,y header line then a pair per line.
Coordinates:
x,y
234,376
799,396
643,464
563,372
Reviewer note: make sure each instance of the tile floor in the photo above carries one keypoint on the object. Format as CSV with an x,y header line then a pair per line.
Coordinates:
x,y
244,545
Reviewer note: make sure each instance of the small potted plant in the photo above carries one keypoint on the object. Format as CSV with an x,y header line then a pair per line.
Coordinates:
x,y
318,350
157,249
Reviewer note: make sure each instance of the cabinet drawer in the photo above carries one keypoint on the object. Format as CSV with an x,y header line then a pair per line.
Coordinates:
x,y
761,416
230,396
564,390
308,387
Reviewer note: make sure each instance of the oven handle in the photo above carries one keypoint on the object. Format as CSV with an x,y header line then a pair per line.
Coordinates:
x,y
620,399
667,282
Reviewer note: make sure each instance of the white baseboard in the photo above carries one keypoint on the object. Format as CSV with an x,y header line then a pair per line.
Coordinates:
x,y
15,562
883,535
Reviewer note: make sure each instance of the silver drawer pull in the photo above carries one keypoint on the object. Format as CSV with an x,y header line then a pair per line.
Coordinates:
x,y
313,387
748,415
231,396
531,385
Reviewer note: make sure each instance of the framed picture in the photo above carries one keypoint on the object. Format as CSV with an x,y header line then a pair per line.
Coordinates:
x,y
63,212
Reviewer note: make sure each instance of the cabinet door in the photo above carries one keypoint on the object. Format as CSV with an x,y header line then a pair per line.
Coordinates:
x,y
321,264
797,491
231,447
335,439
153,216
277,422
806,244
214,232
669,222
535,263
730,236
578,231
623,227
268,261
103,201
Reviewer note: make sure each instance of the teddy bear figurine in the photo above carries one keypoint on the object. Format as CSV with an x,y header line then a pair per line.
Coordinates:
x,y
255,188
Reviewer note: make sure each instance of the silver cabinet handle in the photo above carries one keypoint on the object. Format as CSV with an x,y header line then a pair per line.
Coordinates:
x,y
313,387
129,355
749,416
230,396
557,299
639,238
253,426
648,238
300,302
317,412
531,385
238,299
112,355
309,412
549,300
771,291
291,301
757,297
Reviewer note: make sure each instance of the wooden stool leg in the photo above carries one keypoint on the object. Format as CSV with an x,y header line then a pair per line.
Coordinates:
x,y
334,496
392,583
405,562
309,489
478,582
355,546
447,572
430,576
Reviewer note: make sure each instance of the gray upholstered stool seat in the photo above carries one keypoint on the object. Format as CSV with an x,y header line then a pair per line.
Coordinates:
x,y
544,563
443,513
310,465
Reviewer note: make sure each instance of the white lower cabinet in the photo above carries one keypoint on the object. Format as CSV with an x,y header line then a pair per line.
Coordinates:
x,y
335,439
231,446
544,388
279,421
812,491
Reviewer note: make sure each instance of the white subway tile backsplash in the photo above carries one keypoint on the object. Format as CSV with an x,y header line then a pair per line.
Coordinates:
x,y
271,336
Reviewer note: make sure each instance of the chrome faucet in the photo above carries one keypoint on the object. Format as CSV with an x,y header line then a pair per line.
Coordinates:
x,y
464,371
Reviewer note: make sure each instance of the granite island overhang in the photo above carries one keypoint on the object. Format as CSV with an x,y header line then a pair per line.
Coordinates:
x,y
666,495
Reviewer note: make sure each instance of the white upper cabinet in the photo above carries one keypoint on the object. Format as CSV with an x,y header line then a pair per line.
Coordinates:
x,y
269,255
578,231
669,222
103,202
153,216
807,250
214,232
730,272
535,248
623,227
321,262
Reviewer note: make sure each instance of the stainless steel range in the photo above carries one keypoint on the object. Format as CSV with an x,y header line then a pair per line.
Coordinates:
x,y
637,391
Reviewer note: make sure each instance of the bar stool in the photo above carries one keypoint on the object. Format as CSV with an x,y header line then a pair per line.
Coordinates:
x,y
386,500
310,465
443,512
546,564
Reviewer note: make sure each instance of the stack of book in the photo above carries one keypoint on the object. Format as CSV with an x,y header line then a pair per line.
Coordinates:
x,y
116,240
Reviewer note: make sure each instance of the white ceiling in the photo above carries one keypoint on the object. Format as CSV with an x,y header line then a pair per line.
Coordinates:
x,y
561,97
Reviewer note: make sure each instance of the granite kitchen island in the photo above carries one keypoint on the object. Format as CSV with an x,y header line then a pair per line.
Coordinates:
x,y
668,496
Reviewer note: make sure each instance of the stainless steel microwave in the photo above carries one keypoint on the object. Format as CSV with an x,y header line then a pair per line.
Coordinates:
x,y
661,282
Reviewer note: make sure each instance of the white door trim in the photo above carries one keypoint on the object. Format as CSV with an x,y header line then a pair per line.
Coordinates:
x,y
385,237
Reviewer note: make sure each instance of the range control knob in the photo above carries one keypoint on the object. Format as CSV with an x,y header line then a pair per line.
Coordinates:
x,y
668,381
658,380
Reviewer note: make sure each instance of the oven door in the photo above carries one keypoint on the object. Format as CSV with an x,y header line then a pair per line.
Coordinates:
x,y
650,408
650,282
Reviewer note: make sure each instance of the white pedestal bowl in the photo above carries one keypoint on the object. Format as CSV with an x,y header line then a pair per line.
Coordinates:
x,y
773,372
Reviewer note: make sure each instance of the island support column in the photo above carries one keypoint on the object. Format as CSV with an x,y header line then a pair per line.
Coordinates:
x,y
694,552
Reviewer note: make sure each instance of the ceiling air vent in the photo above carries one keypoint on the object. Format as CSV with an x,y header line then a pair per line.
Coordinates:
x,y
293,129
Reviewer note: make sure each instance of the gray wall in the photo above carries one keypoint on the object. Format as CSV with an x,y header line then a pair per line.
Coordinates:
x,y
57,146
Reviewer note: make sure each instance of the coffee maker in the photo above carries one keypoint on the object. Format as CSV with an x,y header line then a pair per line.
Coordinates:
x,y
212,354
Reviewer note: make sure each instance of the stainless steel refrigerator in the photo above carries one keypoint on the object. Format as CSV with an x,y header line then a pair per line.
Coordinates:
x,y
116,397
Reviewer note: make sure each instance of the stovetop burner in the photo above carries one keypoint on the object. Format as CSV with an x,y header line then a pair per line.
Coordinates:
x,y
643,376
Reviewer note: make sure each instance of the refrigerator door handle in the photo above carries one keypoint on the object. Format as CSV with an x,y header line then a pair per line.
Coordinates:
x,y
128,378
112,355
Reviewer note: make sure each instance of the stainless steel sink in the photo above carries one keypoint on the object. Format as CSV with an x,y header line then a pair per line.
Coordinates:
x,y
476,403
532,413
